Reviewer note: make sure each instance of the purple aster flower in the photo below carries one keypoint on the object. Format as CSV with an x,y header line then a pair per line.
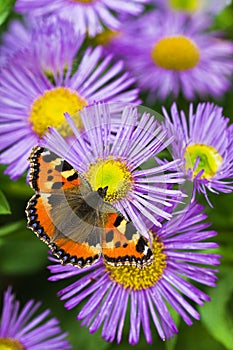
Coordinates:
x,y
51,40
87,15
23,329
193,6
180,255
40,83
175,54
118,161
205,144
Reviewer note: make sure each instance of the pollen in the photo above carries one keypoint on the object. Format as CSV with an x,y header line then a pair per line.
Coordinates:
x,y
49,108
112,173
176,53
10,344
185,5
209,160
140,278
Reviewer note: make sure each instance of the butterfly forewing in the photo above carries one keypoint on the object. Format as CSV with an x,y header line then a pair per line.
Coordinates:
x,y
55,212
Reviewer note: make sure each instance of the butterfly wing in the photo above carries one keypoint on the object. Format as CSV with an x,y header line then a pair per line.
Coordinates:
x,y
76,231
122,244
58,213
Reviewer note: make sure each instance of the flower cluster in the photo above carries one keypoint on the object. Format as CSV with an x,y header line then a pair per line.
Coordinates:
x,y
72,76
39,83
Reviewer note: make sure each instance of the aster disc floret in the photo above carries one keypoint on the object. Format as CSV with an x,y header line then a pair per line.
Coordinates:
x,y
181,254
41,82
204,142
28,330
176,54
117,159
89,16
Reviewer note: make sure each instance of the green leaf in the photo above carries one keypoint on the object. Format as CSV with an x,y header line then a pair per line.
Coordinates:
x,y
85,340
4,205
221,214
196,337
11,228
22,253
217,315
225,241
19,188
5,8
224,20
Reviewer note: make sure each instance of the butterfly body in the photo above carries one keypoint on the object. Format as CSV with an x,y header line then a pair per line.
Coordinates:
x,y
74,221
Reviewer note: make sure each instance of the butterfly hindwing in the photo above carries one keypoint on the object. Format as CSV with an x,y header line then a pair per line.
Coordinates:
x,y
123,245
69,251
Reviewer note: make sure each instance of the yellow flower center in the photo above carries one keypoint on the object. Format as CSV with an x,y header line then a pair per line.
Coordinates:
x,y
84,1
134,278
106,36
112,173
210,159
175,53
185,5
49,108
10,344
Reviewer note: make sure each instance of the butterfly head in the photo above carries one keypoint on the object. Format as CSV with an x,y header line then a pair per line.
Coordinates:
x,y
102,191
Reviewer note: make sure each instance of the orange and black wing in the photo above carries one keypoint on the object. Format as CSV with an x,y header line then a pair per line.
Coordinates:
x,y
122,244
50,173
55,212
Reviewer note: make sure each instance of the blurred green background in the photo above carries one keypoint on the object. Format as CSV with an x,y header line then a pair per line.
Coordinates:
x,y
23,258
